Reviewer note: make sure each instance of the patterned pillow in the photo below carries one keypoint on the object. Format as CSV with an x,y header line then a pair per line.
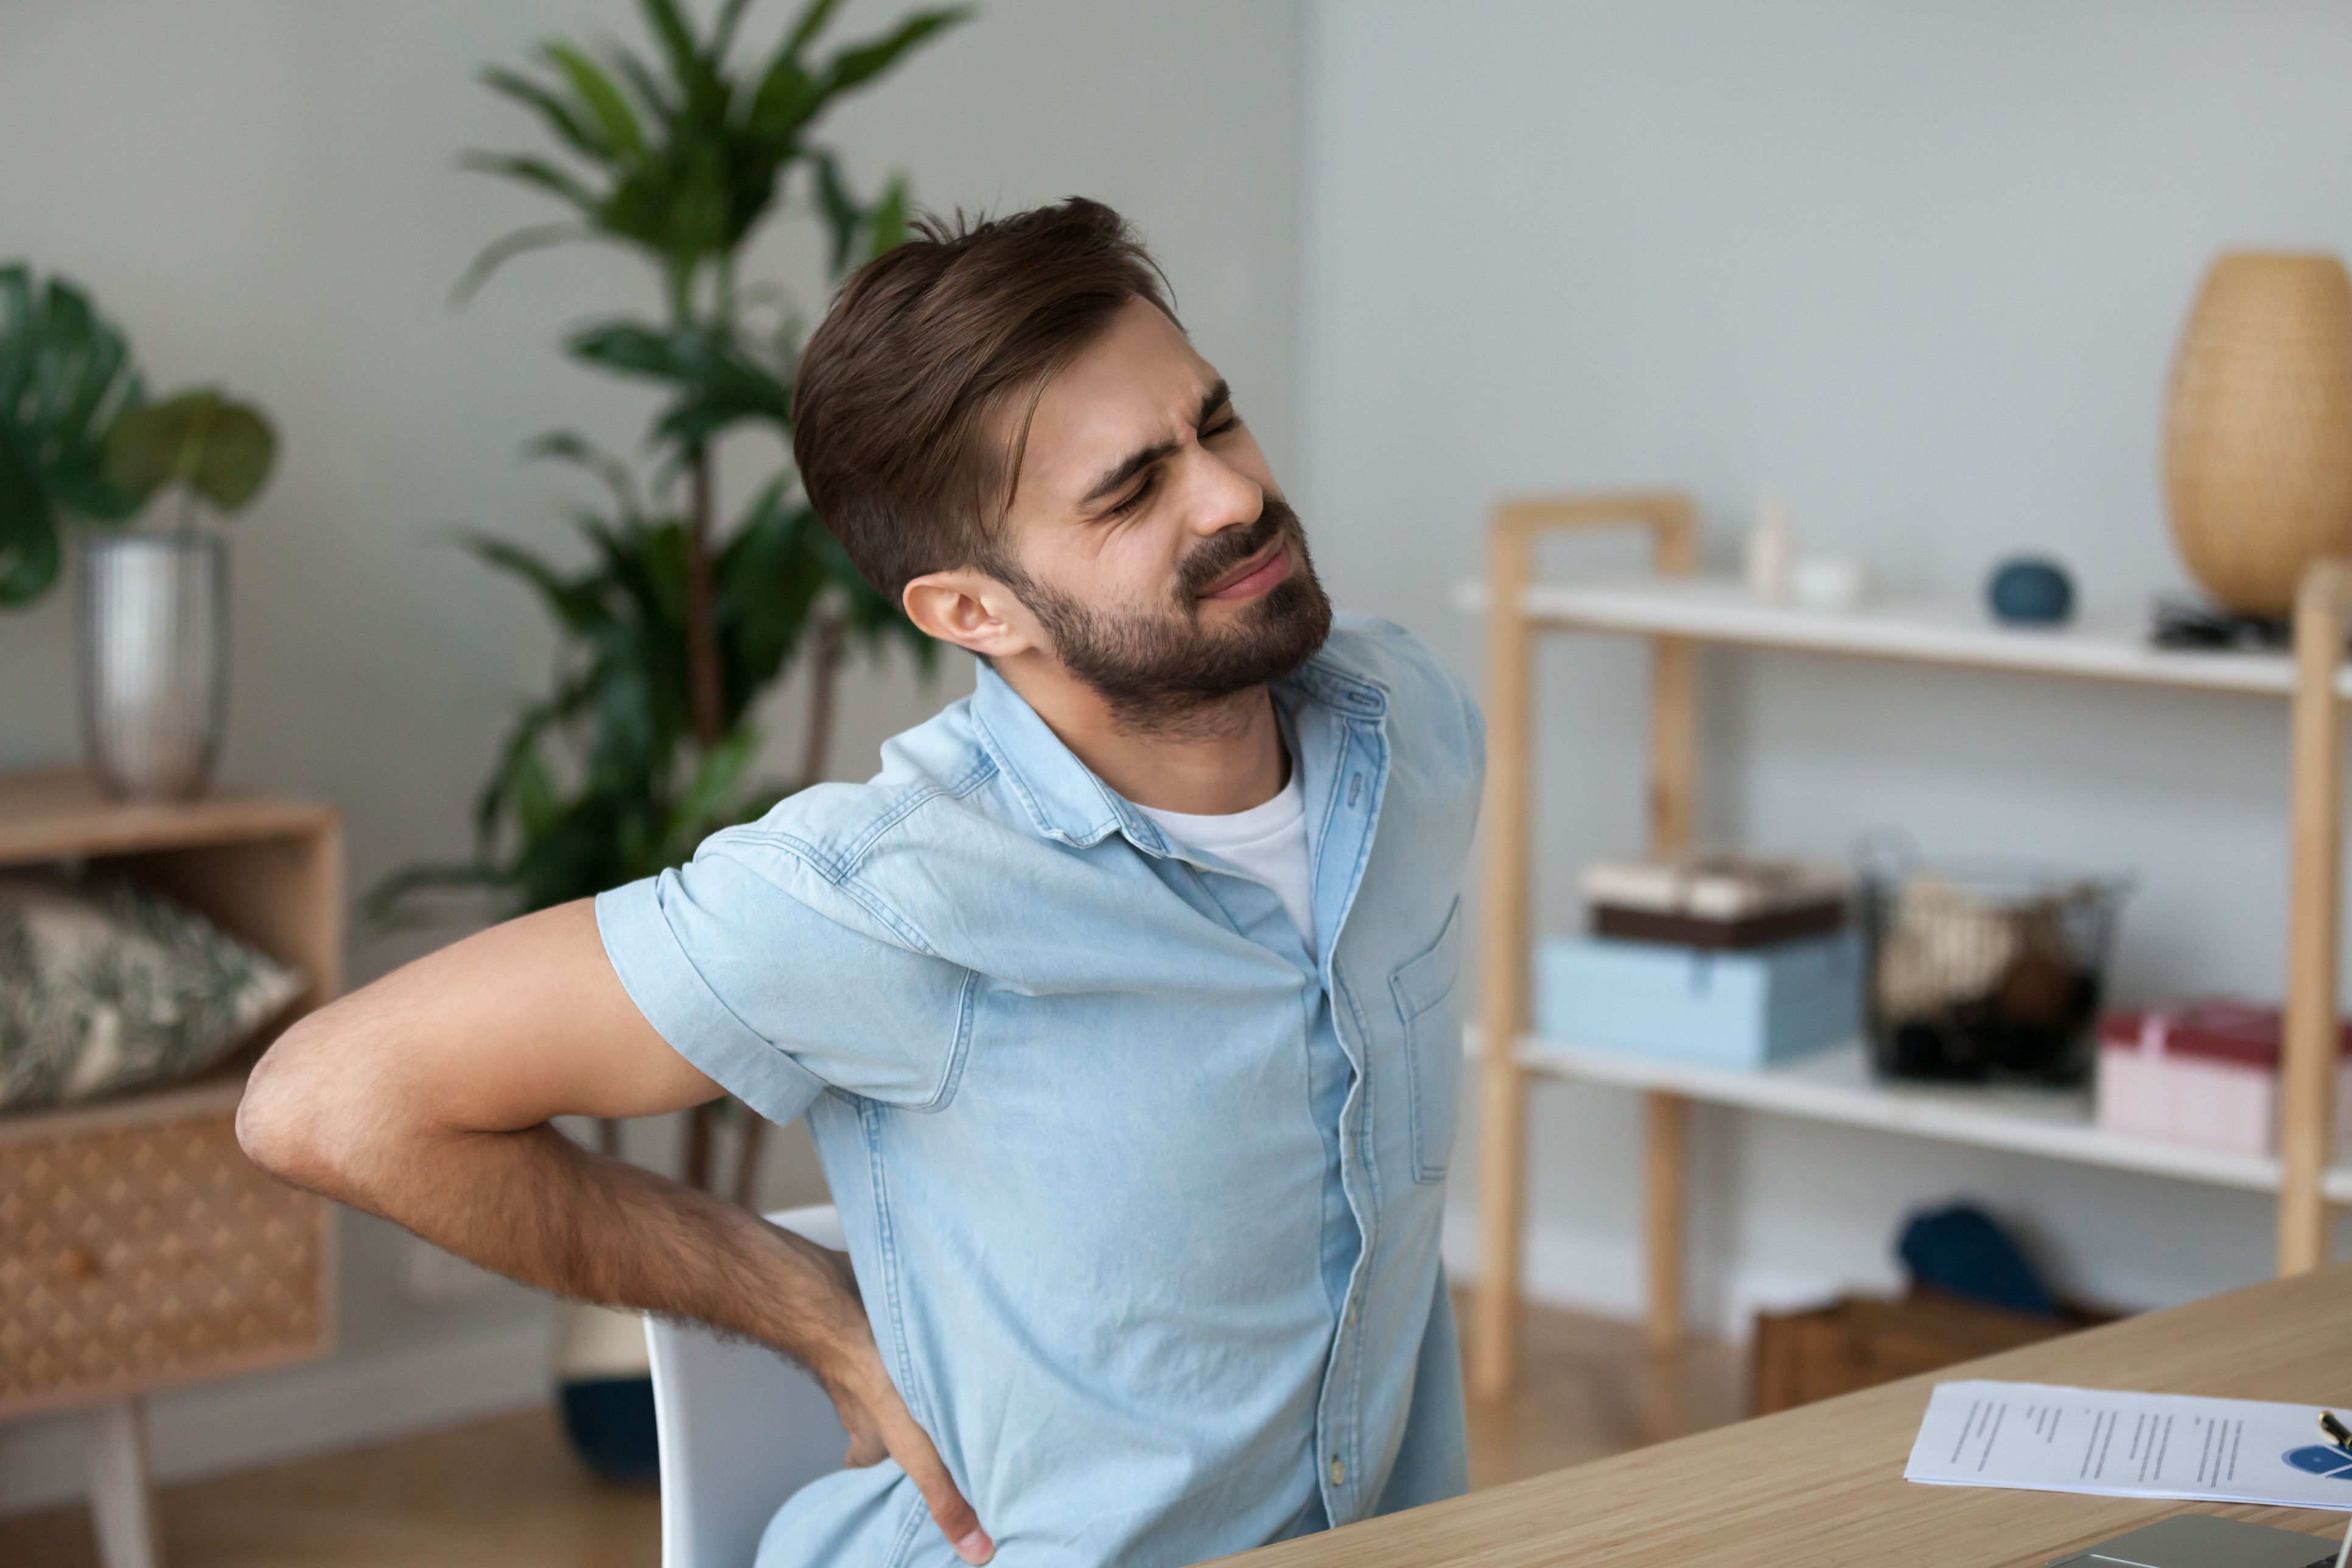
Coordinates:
x,y
107,986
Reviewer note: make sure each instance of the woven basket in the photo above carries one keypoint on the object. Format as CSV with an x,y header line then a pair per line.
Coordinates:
x,y
2258,440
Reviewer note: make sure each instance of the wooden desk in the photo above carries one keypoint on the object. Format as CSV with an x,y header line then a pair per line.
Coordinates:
x,y
1823,1486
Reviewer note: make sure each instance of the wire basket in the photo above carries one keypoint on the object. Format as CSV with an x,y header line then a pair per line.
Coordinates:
x,y
1985,970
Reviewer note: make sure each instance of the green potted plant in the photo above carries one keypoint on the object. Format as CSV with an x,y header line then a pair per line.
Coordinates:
x,y
680,619
78,440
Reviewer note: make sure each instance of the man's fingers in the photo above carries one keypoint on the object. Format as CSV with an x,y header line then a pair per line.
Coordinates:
x,y
912,1448
865,1445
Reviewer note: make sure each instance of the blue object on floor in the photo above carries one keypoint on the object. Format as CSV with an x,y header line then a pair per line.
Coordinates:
x,y
2029,591
1727,1009
610,1421
1963,1251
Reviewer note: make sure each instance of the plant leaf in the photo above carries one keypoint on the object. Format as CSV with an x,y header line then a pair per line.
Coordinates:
x,y
722,32
570,447
784,100
813,21
889,221
840,210
861,63
496,254
651,97
702,88
578,606
623,138
554,110
702,805
537,171
223,450
28,532
64,377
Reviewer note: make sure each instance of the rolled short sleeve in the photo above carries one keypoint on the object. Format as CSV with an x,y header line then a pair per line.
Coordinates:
x,y
779,984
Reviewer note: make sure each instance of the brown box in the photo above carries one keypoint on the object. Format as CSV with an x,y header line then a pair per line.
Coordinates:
x,y
1861,1340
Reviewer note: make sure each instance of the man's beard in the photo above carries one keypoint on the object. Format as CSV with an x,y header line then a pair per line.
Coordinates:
x,y
1156,668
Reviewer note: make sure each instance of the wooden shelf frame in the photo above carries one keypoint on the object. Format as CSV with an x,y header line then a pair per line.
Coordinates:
x,y
1678,612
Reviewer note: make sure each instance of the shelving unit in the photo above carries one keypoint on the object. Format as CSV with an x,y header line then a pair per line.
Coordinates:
x,y
1678,612
140,1250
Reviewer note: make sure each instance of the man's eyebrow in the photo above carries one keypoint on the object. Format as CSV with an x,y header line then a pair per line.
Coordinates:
x,y
1135,462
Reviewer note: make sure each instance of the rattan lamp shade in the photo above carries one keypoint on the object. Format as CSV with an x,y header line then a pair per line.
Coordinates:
x,y
2258,439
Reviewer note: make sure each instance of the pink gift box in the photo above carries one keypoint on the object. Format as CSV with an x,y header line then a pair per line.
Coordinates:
x,y
2205,1073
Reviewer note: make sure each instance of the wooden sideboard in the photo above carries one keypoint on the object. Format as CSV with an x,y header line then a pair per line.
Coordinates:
x,y
139,1248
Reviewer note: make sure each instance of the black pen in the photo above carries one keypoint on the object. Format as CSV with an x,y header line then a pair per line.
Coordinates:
x,y
2336,1431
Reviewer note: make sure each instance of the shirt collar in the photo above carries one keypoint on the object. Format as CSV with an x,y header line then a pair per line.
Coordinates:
x,y
1064,798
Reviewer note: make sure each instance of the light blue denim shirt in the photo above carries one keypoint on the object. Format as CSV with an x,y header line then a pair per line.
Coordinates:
x,y
1144,1203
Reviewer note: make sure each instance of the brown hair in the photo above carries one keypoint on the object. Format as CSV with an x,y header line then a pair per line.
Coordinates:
x,y
897,419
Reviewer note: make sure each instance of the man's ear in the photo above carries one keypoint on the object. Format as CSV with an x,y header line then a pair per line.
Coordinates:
x,y
971,610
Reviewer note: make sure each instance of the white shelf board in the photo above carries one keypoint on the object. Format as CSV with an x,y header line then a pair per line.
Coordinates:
x,y
1915,628
1837,1085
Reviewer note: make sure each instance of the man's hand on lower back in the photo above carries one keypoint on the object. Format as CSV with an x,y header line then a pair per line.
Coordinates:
x,y
880,1426
427,1097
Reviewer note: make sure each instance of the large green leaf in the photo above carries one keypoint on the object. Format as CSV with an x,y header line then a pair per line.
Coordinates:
x,y
221,449
28,534
65,377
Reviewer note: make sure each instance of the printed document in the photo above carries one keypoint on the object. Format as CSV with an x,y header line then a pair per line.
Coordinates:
x,y
2047,1438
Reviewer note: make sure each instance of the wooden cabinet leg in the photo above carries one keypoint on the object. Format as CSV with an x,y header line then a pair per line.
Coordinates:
x,y
120,1499
1667,1159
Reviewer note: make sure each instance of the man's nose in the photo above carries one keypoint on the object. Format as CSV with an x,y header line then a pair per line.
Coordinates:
x,y
1226,497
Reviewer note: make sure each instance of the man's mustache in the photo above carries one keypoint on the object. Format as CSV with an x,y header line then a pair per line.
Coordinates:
x,y
1223,551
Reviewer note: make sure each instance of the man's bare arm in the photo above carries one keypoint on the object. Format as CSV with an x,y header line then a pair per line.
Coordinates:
x,y
426,1097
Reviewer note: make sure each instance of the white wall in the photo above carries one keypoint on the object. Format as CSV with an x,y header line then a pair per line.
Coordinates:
x,y
1919,269
262,192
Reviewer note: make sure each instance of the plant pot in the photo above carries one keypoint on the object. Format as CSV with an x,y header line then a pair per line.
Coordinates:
x,y
2258,439
605,1390
154,661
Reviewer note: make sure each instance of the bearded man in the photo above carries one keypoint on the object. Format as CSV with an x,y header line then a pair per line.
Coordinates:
x,y
1120,1001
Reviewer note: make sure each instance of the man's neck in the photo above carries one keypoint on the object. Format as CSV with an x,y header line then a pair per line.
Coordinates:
x,y
1211,761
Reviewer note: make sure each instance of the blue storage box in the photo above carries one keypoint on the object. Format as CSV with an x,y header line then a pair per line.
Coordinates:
x,y
1737,1009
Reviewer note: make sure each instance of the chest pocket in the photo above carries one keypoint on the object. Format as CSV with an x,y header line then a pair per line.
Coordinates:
x,y
1427,999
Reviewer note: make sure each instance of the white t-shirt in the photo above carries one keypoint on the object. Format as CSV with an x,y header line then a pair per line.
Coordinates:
x,y
1266,842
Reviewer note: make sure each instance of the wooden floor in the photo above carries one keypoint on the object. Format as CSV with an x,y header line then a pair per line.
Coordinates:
x,y
507,1493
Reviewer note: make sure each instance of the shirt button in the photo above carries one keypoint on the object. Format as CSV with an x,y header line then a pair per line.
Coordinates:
x,y
1339,1473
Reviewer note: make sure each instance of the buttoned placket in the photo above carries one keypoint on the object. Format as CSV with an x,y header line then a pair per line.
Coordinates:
x,y
1337,850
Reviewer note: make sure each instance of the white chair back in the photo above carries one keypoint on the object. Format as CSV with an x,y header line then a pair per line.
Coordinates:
x,y
741,1429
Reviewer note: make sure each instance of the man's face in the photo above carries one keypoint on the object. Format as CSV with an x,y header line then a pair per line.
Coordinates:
x,y
1146,533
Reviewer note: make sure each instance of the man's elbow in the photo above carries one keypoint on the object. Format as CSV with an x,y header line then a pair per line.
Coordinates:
x,y
284,1122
